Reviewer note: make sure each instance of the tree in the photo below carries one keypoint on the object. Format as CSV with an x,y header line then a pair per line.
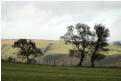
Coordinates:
x,y
99,41
117,43
27,48
78,36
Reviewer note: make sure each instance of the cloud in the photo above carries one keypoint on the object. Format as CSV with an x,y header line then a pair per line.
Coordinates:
x,y
48,20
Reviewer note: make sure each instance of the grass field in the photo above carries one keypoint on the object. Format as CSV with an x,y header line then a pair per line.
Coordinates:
x,y
29,72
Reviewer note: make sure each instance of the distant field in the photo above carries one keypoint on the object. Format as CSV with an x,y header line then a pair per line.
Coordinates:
x,y
56,47
29,72
60,51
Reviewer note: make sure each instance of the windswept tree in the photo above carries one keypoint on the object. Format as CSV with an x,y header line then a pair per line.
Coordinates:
x,y
27,48
79,37
98,42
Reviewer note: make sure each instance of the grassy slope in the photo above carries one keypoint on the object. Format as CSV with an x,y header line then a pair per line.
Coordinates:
x,y
56,47
28,72
50,48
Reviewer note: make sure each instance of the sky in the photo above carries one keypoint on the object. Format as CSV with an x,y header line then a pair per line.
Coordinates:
x,y
48,20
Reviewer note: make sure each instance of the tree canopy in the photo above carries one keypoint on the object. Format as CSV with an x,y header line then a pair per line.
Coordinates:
x,y
78,35
27,48
83,38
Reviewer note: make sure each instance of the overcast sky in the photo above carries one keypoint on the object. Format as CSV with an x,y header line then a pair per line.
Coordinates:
x,y
48,20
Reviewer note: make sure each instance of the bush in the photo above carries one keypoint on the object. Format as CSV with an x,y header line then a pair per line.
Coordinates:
x,y
11,59
99,57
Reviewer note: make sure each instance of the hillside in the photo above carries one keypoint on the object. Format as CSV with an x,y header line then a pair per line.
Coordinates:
x,y
57,50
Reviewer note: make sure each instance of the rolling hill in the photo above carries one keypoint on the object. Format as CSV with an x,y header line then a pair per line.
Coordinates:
x,y
60,52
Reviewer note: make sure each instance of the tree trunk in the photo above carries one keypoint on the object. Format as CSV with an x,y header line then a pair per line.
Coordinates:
x,y
93,57
80,63
27,56
82,57
81,60
54,61
28,61
92,61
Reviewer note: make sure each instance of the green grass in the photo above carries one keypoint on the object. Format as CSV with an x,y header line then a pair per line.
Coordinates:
x,y
28,72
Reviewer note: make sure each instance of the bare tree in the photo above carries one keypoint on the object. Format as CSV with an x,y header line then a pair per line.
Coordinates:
x,y
79,37
27,48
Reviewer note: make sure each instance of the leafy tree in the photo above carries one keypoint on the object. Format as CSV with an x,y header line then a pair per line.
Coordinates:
x,y
27,48
79,37
98,42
